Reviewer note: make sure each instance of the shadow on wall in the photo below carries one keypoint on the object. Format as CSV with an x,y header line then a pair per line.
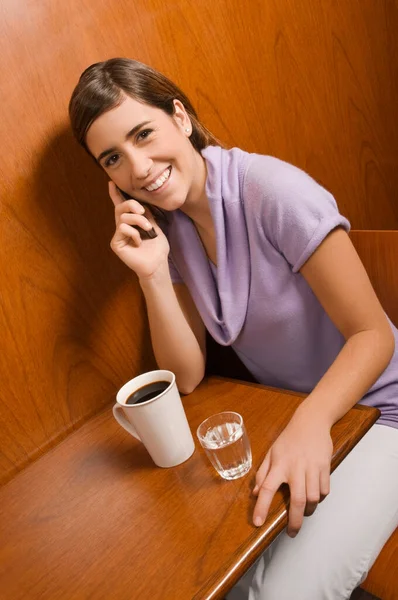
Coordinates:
x,y
103,335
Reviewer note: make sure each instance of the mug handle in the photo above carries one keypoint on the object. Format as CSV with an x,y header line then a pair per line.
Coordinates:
x,y
121,419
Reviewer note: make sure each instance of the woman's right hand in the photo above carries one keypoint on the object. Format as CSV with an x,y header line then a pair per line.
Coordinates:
x,y
144,257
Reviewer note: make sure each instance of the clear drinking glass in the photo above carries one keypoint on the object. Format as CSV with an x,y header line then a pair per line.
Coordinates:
x,y
224,438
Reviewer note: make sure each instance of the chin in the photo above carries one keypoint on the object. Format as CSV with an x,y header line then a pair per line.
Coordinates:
x,y
171,204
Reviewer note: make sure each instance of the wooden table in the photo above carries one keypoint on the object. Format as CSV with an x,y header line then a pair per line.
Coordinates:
x,y
94,518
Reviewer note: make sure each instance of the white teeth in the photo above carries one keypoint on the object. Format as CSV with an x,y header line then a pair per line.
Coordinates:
x,y
160,181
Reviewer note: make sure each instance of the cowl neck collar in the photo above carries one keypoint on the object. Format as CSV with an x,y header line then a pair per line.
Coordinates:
x,y
221,297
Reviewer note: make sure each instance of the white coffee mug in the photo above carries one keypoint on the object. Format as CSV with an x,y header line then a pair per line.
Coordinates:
x,y
159,423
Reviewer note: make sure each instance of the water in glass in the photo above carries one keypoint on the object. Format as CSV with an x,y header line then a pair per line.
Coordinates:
x,y
228,448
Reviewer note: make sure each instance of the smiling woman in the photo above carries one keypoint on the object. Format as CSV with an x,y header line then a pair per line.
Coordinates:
x,y
147,153
257,253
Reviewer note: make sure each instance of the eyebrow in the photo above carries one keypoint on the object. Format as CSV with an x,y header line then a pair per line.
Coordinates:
x,y
128,135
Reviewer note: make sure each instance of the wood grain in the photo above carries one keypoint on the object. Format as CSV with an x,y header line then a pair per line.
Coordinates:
x,y
382,580
95,518
312,83
378,251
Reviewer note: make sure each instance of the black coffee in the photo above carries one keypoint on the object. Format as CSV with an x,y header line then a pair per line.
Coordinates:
x,y
147,392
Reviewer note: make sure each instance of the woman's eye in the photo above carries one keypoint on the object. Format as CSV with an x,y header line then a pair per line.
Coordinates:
x,y
111,160
144,134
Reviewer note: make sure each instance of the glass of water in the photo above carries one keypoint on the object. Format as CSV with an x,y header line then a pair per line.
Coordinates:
x,y
224,438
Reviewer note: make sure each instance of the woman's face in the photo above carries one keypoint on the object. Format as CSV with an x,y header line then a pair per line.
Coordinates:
x,y
148,154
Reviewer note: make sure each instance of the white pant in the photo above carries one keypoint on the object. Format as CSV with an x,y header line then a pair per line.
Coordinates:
x,y
338,544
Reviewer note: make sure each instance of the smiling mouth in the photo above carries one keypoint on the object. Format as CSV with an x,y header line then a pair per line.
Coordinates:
x,y
160,181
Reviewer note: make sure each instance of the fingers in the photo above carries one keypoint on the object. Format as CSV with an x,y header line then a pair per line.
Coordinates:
x,y
306,491
305,499
135,220
324,483
298,502
266,493
121,204
312,492
133,207
125,234
114,193
262,473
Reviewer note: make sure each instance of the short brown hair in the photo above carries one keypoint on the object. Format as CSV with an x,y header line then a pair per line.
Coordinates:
x,y
103,86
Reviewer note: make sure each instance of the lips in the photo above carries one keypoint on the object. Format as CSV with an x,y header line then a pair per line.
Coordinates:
x,y
158,183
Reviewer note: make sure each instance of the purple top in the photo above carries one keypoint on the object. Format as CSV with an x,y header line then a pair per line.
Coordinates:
x,y
269,217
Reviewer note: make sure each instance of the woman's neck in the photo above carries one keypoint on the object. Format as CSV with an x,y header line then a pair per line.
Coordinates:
x,y
196,206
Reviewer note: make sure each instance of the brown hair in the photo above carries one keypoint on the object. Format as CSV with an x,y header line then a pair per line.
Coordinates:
x,y
103,85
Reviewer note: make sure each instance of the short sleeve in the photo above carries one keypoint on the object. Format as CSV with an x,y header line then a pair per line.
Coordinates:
x,y
293,210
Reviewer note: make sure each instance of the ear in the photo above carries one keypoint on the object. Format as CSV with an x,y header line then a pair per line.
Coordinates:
x,y
181,118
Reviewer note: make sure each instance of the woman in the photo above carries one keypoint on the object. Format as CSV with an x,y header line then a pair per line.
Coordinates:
x,y
256,251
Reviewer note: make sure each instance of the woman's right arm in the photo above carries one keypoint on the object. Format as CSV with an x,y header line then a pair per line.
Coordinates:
x,y
177,331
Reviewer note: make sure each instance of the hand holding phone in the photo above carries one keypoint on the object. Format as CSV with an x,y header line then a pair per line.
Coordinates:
x,y
145,259
144,235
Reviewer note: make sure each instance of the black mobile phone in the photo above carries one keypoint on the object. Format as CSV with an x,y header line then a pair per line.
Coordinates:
x,y
145,235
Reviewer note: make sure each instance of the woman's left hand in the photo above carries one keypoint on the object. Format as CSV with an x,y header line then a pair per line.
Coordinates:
x,y
300,457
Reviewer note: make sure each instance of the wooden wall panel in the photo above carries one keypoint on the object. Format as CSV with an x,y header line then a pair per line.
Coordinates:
x,y
378,250
314,83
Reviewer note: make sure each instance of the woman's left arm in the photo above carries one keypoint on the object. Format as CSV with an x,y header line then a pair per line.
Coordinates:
x,y
302,454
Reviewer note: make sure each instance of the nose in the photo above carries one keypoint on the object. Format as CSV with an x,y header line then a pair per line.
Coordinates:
x,y
140,164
